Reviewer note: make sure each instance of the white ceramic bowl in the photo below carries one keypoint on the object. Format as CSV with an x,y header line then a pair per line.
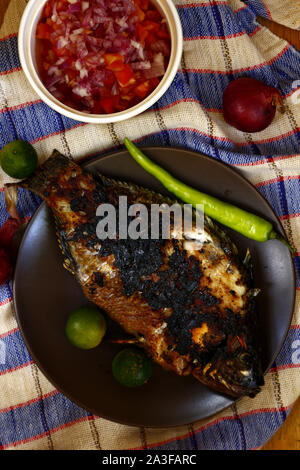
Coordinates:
x,y
26,46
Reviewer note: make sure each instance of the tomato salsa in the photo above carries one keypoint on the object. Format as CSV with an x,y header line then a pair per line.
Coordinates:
x,y
101,56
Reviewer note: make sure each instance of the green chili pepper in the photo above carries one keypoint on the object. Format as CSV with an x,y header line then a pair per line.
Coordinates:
x,y
246,223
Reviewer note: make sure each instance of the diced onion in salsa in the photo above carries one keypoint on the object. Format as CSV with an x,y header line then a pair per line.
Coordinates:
x,y
101,56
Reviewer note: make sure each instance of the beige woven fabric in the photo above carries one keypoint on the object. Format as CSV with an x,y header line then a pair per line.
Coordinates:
x,y
27,384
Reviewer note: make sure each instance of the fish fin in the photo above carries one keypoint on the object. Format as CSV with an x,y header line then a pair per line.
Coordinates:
x,y
149,196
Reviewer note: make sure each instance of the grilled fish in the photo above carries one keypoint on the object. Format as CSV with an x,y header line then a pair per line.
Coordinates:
x,y
191,307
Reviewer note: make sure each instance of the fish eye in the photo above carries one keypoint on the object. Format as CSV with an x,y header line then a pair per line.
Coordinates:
x,y
245,358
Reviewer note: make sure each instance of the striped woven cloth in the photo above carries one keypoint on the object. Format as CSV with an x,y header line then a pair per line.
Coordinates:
x,y
222,40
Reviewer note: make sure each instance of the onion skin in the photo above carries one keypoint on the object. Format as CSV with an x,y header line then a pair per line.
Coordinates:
x,y
249,105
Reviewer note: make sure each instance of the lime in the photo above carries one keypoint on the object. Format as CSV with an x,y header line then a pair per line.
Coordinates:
x,y
131,367
86,327
18,159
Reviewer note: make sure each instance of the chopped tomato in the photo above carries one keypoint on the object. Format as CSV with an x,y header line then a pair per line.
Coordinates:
x,y
153,15
126,76
142,90
142,33
150,39
43,31
140,13
109,104
114,62
97,108
154,82
108,82
143,4
48,8
162,34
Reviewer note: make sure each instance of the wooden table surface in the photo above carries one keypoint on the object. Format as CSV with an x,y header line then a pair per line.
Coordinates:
x,y
288,436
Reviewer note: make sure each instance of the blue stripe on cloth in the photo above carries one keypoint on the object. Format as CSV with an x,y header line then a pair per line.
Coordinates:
x,y
290,352
274,192
206,88
228,152
5,293
9,58
19,425
230,433
297,270
281,73
248,432
257,7
201,21
43,120
16,352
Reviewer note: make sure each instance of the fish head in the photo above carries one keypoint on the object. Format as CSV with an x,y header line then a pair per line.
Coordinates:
x,y
233,373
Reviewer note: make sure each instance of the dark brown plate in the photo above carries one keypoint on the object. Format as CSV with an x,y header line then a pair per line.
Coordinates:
x,y
45,293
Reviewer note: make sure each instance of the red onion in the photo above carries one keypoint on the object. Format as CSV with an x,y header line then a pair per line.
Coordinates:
x,y
5,267
7,234
249,104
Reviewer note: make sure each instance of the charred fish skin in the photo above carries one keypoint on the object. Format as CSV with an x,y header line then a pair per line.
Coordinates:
x,y
191,307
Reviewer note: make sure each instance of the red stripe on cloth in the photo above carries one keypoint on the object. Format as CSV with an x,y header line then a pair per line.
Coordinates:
x,y
210,110
286,366
46,433
19,106
88,418
29,402
256,30
238,144
43,137
228,72
222,139
267,10
289,216
213,110
216,421
13,35
228,36
6,301
7,371
266,160
292,92
276,180
174,103
8,333
202,4
7,72
240,9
